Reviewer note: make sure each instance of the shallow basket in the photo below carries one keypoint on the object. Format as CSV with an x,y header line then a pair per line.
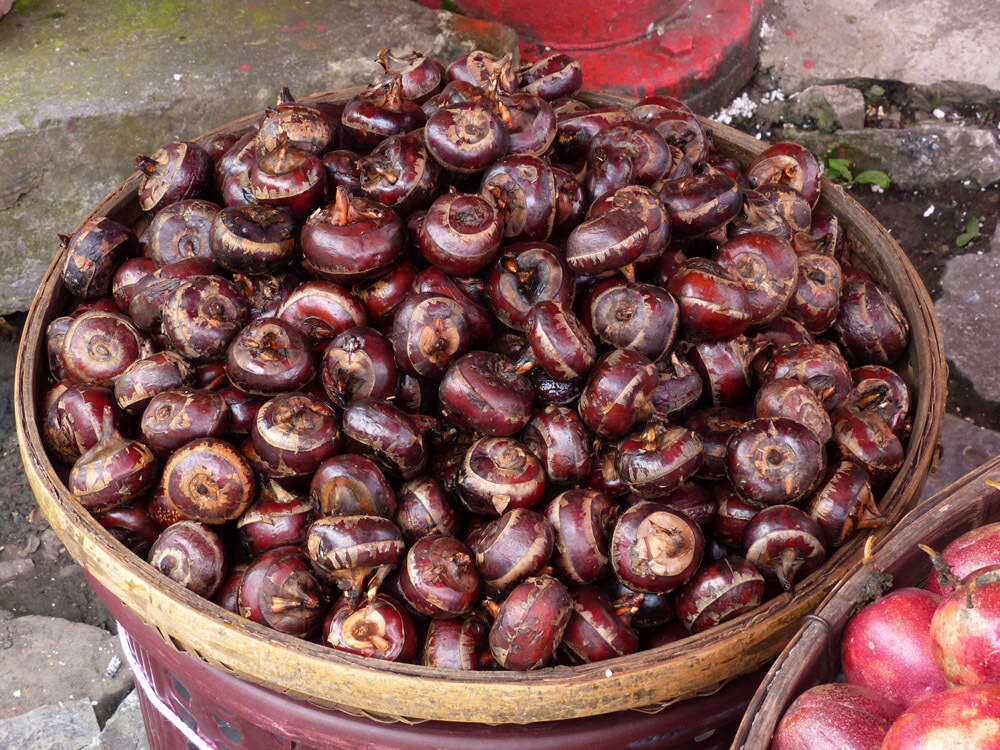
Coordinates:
x,y
696,665
813,655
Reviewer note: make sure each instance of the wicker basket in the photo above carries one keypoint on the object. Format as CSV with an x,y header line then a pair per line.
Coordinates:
x,y
693,666
813,655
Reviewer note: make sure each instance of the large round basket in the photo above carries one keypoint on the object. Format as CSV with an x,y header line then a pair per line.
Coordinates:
x,y
813,655
308,671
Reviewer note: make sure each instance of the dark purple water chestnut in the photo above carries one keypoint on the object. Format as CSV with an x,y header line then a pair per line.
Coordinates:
x,y
768,269
466,138
673,120
816,301
279,590
552,77
460,233
276,518
484,69
243,408
607,242
693,500
724,367
826,236
127,279
558,438
642,610
342,170
77,417
351,239
178,416
714,426
350,485
571,202
176,171
378,112
635,316
645,148
774,461
208,480
604,474
356,553
787,164
524,274
595,632
438,577
235,162
789,398
732,514
423,509
387,435
784,331
303,126
870,326
582,521
427,331
456,644
225,595
498,474
863,437
483,393
819,366
399,173
882,391
219,144
530,122
670,262
530,623
784,204
270,356
383,296
576,129
656,459
321,310
99,346
132,527
700,204
266,293
295,431
359,364
191,554
523,189
420,75
845,503
150,293
180,230
643,202
558,342
435,281
607,170
678,389
618,392
654,549
379,629
784,543
713,303
549,391
719,592
112,473
202,316
253,239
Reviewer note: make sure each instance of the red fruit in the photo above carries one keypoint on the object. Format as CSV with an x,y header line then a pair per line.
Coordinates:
x,y
964,718
965,632
887,647
970,552
835,717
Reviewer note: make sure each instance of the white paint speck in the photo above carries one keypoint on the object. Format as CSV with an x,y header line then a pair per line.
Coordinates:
x,y
178,76
608,673
17,693
938,113
929,211
877,189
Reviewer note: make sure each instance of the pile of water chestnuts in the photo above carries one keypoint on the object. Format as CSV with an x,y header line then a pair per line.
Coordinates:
x,y
468,373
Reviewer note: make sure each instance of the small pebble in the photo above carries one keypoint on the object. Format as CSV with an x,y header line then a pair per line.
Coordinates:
x,y
938,113
929,211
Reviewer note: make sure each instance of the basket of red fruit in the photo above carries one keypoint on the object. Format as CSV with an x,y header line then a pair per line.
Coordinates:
x,y
912,633
473,397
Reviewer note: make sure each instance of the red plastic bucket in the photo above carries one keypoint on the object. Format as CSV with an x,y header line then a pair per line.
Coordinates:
x,y
223,712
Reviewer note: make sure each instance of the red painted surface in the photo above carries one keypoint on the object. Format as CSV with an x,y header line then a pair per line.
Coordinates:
x,y
703,51
229,712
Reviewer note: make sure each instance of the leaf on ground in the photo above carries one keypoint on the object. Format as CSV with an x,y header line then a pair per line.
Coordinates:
x,y
873,177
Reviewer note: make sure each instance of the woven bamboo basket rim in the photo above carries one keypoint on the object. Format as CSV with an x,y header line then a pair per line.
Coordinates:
x,y
812,656
307,671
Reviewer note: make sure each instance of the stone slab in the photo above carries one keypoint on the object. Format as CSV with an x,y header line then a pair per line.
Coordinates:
x,y
932,43
969,314
47,660
926,154
124,730
85,87
60,726
964,446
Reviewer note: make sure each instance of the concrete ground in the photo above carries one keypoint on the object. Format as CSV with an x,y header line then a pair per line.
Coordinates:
x,y
925,112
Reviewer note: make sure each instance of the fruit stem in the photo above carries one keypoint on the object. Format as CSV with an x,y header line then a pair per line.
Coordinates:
x,y
942,567
147,165
785,566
